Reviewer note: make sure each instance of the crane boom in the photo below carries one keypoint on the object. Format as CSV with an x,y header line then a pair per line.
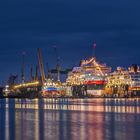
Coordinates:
x,y
41,66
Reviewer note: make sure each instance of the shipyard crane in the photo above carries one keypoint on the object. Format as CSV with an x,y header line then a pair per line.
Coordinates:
x,y
12,79
23,67
31,73
41,66
58,68
36,73
48,71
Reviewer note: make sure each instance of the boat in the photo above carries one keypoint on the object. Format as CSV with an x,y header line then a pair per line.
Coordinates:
x,y
52,88
89,78
124,82
24,90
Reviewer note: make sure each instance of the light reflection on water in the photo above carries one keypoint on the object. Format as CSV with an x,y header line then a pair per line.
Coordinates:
x,y
69,119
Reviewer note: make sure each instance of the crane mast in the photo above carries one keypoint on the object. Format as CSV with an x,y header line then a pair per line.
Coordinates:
x,y
23,68
36,73
57,65
41,66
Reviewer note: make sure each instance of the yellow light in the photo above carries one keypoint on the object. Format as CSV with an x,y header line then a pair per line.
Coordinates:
x,y
35,83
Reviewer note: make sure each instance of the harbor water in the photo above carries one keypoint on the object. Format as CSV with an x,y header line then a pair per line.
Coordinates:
x,y
70,119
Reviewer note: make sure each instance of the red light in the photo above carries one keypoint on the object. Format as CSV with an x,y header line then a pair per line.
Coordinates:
x,y
98,82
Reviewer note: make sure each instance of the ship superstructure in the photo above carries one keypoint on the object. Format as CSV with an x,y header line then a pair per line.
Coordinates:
x,y
124,82
91,74
53,89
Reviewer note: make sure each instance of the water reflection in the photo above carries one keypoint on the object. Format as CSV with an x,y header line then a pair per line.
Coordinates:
x,y
69,119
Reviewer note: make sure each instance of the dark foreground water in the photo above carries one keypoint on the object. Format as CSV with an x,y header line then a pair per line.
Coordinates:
x,y
70,119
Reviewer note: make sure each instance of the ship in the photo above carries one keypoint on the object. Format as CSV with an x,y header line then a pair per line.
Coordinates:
x,y
89,78
124,82
29,89
52,88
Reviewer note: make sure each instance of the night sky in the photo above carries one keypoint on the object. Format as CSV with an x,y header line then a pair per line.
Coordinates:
x,y
71,26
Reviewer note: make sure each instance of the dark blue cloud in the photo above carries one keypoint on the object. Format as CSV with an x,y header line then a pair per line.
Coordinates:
x,y
71,25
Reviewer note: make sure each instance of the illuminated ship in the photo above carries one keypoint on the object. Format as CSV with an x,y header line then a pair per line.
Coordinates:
x,y
24,90
90,74
53,89
124,82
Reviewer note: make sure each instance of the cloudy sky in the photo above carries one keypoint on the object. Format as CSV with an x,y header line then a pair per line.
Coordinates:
x,y
72,26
